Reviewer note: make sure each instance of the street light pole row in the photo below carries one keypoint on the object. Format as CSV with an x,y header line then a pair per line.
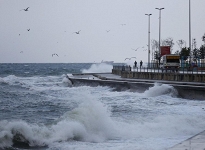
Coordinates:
x,y
160,32
149,33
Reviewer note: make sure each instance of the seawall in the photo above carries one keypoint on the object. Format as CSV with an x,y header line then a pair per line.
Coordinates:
x,y
188,90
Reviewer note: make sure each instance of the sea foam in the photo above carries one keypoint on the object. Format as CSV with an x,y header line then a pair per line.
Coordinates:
x,y
161,89
90,121
98,68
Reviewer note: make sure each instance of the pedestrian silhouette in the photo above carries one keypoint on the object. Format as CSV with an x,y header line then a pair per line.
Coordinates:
x,y
135,64
141,63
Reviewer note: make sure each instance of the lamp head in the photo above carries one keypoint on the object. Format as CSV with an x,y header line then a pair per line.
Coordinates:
x,y
159,8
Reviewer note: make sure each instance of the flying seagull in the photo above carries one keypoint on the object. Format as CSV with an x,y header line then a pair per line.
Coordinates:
x,y
55,54
108,30
136,49
78,32
21,51
28,29
130,58
25,9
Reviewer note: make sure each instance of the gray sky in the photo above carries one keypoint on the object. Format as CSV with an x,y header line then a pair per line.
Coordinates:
x,y
52,24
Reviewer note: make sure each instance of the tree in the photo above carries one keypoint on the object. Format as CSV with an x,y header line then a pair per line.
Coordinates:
x,y
184,53
177,52
201,52
181,43
195,51
156,55
155,47
195,54
203,38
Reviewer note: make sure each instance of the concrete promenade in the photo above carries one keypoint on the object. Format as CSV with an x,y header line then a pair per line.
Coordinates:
x,y
193,90
196,142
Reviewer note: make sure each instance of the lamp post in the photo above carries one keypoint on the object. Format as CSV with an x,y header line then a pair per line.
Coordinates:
x,y
190,30
148,39
159,26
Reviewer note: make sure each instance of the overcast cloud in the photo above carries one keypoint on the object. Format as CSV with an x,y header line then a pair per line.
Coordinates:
x,y
109,29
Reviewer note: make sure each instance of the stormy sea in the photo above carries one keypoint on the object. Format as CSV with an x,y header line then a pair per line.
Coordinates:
x,y
41,110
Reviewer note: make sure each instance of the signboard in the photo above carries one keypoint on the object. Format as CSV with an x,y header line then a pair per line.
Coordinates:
x,y
173,57
165,50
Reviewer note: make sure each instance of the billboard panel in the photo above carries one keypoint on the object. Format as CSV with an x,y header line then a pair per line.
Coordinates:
x,y
165,50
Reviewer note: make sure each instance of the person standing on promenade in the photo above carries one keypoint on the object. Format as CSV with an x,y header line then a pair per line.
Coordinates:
x,y
141,63
135,63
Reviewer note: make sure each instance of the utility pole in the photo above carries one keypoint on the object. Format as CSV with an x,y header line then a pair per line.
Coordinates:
x,y
148,39
159,29
190,30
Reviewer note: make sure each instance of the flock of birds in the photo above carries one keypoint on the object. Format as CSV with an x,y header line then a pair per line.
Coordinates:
x,y
78,32
135,50
54,54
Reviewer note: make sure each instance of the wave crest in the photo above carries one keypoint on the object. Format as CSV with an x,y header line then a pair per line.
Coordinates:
x,y
98,68
89,122
161,89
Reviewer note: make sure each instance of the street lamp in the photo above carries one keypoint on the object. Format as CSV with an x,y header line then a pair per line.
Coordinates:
x,y
159,26
190,30
148,39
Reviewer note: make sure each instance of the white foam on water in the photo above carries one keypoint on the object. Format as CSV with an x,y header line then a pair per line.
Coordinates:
x,y
89,122
92,124
98,68
2,80
160,89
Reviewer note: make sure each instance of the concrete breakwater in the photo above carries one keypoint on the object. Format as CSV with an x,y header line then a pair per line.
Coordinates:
x,y
188,90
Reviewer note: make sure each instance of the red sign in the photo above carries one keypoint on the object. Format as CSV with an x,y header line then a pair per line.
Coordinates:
x,y
165,50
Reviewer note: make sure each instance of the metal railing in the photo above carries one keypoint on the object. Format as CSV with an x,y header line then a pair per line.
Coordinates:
x,y
183,69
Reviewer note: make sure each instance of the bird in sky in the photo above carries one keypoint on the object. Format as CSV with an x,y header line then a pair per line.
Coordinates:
x,y
55,54
21,51
123,24
108,30
28,29
78,32
130,58
135,49
25,9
